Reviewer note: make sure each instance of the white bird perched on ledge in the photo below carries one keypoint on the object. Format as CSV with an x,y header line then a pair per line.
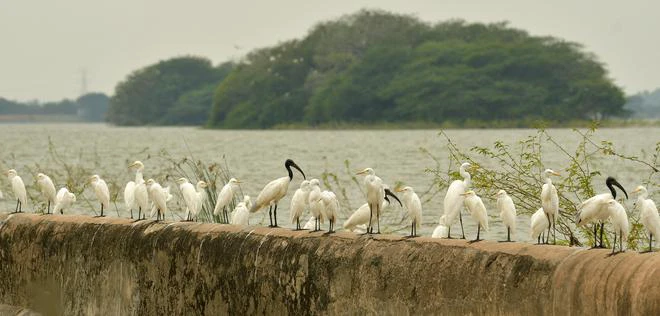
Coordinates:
x,y
63,200
140,193
331,208
241,213
101,191
454,199
648,214
550,203
620,223
18,187
158,196
225,196
201,197
316,204
596,209
361,216
507,213
189,197
274,191
299,203
375,197
47,189
413,205
477,211
538,224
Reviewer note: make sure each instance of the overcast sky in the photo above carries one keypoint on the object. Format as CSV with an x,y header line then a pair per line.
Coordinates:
x,y
45,45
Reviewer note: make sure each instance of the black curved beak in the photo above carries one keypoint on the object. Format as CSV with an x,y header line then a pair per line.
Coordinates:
x,y
388,192
296,166
620,187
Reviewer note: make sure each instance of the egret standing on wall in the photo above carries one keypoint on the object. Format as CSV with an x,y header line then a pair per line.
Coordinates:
x,y
596,209
648,214
538,224
63,200
375,197
316,207
101,191
331,208
454,200
361,216
274,191
225,196
18,187
413,205
201,197
550,203
241,213
47,189
620,223
189,197
507,213
477,211
140,193
299,203
158,196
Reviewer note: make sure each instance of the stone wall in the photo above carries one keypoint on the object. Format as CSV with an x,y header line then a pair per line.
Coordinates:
x,y
78,265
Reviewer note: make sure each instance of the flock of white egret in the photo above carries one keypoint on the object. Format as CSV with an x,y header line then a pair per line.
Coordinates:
x,y
149,195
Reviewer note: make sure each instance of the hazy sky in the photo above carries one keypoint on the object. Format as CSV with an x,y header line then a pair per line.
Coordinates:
x,y
45,45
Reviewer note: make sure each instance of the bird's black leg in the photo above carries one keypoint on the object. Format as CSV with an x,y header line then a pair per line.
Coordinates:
x,y
614,245
595,235
270,214
460,218
131,213
547,237
554,230
275,215
378,217
602,228
48,208
650,242
478,231
508,234
449,232
369,227
101,209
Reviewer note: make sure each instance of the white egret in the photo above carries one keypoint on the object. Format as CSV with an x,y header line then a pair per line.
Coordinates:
x,y
140,194
101,191
63,200
47,189
189,197
299,203
331,208
129,196
454,199
224,198
274,191
596,209
538,224
361,216
413,205
201,197
477,210
18,187
648,214
158,196
441,230
375,196
620,224
241,213
315,202
550,202
507,212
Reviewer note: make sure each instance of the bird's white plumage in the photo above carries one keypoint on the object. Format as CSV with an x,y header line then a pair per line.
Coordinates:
x,y
63,200
454,199
17,186
271,194
158,196
594,209
225,196
200,197
412,204
648,212
361,217
538,223
189,196
140,194
47,188
129,195
549,196
241,213
441,230
375,193
477,209
101,191
299,201
330,205
507,210
619,219
315,202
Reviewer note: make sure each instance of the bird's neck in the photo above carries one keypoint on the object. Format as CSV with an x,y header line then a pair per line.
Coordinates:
x,y
548,180
138,176
467,179
609,185
288,168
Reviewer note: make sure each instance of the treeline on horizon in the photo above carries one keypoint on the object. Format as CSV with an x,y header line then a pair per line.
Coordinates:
x,y
375,67
89,107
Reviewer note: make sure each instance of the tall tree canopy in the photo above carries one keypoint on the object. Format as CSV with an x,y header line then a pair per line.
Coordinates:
x,y
376,66
168,92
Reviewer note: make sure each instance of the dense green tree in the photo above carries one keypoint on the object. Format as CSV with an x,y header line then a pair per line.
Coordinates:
x,y
377,66
147,95
93,106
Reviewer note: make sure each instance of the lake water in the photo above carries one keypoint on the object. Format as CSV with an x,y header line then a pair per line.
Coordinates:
x,y
257,157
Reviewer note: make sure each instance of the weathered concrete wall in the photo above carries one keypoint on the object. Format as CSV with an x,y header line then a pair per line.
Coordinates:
x,y
77,265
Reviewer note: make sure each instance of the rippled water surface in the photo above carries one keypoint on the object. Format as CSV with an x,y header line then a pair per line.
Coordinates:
x,y
257,157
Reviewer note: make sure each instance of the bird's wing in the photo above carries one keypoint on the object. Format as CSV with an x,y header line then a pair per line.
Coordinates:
x,y
18,187
129,194
224,198
359,217
272,191
454,200
589,209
